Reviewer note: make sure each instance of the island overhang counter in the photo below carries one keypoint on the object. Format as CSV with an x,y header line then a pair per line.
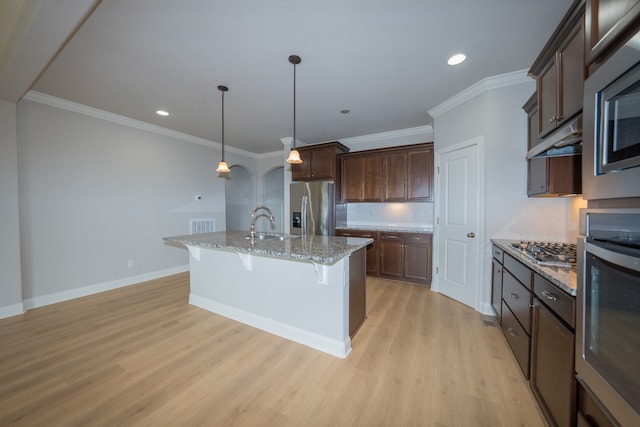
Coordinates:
x,y
307,289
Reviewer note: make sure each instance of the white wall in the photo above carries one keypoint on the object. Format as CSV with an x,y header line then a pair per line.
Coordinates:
x,y
96,194
496,115
10,276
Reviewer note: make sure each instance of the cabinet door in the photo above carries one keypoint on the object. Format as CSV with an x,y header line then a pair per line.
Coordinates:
x,y
552,366
420,175
547,99
537,176
496,288
372,253
371,178
555,176
302,171
416,265
609,21
352,183
323,163
391,256
572,73
395,175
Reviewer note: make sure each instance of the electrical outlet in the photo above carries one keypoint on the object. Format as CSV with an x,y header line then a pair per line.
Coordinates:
x,y
129,263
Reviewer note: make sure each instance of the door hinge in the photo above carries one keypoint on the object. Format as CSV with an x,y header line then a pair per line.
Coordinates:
x,y
437,169
436,270
438,221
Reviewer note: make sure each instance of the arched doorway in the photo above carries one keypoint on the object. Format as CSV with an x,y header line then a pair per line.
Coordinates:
x,y
239,198
274,196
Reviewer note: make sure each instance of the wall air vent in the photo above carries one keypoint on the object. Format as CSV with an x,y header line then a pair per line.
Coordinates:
x,y
199,226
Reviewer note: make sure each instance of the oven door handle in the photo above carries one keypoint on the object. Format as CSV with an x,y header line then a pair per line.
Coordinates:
x,y
614,257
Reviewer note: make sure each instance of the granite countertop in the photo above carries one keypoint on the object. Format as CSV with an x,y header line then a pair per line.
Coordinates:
x,y
318,249
390,228
564,278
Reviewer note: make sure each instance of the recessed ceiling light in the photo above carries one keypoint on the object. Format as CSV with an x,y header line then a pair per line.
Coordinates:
x,y
162,113
345,111
457,59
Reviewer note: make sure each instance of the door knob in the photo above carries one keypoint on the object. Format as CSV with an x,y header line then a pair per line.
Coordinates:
x,y
471,235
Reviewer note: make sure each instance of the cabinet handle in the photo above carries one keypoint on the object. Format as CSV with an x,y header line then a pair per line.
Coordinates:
x,y
496,253
366,235
512,332
391,237
548,295
514,296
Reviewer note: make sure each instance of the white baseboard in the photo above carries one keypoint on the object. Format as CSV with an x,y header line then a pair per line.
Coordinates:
x,y
333,347
43,300
485,308
11,310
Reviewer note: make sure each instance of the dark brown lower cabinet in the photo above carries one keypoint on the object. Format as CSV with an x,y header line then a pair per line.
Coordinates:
x,y
415,267
406,256
357,291
496,288
552,366
391,256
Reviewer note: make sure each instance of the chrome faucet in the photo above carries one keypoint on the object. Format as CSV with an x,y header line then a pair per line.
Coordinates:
x,y
252,230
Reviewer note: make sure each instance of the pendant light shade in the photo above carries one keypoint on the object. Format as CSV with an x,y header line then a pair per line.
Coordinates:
x,y
294,155
222,165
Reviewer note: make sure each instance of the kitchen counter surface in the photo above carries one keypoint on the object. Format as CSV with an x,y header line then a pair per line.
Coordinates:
x,y
564,278
390,228
318,249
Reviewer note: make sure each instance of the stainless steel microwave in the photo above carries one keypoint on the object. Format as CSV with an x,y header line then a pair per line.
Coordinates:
x,y
611,126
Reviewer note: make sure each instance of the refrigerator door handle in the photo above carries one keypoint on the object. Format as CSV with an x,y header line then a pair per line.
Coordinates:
x,y
304,208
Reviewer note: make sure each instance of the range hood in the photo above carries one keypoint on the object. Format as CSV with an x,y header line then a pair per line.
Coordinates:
x,y
565,141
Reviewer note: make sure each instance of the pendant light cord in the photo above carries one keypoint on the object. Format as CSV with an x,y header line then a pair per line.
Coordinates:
x,y
223,126
294,106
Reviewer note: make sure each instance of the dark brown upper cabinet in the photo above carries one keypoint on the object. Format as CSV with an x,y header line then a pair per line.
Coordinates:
x,y
560,72
608,24
318,162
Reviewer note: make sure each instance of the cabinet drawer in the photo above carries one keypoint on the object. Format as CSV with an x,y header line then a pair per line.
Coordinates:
x,y
416,238
517,338
518,298
498,254
519,270
559,302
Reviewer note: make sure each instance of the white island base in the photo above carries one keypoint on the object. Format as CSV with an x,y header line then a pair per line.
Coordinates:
x,y
299,300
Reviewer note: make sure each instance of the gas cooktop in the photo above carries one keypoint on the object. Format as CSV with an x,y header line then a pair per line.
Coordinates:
x,y
549,253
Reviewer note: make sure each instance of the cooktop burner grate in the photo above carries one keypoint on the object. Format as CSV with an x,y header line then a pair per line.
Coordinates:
x,y
549,253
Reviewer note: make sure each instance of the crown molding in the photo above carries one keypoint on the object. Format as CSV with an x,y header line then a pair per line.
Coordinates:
x,y
374,137
484,85
64,104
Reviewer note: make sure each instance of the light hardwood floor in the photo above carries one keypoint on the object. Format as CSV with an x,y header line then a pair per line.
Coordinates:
x,y
141,355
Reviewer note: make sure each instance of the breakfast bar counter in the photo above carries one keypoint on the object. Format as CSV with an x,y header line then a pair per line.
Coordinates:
x,y
307,289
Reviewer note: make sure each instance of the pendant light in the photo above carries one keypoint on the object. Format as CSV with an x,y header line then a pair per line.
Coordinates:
x,y
222,165
294,155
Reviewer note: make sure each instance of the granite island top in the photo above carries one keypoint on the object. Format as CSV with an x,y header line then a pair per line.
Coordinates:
x,y
564,278
318,249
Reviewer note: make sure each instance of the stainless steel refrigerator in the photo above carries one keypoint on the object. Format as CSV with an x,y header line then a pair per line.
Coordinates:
x,y
311,207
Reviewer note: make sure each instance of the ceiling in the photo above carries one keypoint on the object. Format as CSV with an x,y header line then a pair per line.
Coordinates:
x,y
384,60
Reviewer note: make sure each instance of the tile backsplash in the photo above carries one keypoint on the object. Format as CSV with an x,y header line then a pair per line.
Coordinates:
x,y
389,214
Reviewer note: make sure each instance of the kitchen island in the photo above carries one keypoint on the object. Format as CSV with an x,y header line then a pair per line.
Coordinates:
x,y
307,289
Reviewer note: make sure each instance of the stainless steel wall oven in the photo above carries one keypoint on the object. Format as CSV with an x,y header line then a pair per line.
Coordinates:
x,y
611,123
608,315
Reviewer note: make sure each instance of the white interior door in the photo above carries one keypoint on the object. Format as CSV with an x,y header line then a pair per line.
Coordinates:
x,y
458,218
